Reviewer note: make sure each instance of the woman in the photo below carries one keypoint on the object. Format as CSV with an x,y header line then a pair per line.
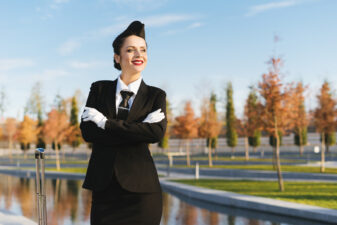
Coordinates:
x,y
120,119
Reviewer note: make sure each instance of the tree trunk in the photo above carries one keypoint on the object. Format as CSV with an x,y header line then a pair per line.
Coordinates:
x,y
301,142
323,153
277,154
254,149
188,153
210,163
274,159
216,153
246,148
233,150
10,145
58,167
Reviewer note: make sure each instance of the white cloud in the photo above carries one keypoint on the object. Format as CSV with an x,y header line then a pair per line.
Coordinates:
x,y
87,65
141,5
49,75
163,20
195,25
150,21
175,31
60,1
68,47
9,64
256,9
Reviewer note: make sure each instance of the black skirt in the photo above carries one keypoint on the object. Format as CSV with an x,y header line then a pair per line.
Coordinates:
x,y
118,206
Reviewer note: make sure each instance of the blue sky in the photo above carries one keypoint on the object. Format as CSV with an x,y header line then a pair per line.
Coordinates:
x,y
194,46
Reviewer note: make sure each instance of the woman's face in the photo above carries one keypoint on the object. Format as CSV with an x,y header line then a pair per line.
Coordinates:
x,y
133,54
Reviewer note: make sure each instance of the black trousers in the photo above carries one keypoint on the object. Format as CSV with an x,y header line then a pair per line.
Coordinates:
x,y
117,206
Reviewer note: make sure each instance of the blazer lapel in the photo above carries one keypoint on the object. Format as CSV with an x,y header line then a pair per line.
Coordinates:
x,y
137,103
111,99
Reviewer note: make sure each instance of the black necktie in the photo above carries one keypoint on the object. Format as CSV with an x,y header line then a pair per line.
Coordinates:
x,y
123,108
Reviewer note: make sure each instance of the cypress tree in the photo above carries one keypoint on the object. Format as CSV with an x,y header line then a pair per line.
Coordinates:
x,y
74,122
253,109
40,141
214,140
231,133
164,142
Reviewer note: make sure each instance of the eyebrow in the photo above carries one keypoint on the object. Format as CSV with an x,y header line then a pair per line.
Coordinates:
x,y
134,46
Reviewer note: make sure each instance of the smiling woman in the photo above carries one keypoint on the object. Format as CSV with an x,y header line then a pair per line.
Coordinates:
x,y
121,118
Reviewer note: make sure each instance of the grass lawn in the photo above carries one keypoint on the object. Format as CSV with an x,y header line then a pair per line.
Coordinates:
x,y
312,193
68,170
287,168
240,159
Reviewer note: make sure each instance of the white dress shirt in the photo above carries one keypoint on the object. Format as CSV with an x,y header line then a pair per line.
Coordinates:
x,y
133,86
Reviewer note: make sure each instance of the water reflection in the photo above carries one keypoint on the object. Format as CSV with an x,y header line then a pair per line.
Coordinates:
x,y
69,204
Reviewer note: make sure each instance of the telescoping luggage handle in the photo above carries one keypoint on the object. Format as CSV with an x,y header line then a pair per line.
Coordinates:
x,y
40,187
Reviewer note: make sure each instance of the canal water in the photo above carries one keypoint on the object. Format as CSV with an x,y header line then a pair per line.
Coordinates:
x,y
69,204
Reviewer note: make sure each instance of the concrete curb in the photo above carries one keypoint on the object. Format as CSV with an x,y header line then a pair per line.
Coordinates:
x,y
265,205
9,218
48,174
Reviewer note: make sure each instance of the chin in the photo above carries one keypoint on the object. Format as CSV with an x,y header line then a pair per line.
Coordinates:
x,y
137,69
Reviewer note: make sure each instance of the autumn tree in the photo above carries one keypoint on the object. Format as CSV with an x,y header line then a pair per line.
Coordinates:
x,y
276,116
214,140
242,130
209,126
35,107
330,139
74,138
2,102
56,129
186,127
231,134
300,116
11,129
26,133
325,117
164,141
1,133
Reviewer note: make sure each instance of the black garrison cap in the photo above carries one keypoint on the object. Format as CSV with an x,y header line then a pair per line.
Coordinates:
x,y
135,28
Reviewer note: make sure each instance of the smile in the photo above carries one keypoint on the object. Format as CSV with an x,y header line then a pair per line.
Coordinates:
x,y
137,62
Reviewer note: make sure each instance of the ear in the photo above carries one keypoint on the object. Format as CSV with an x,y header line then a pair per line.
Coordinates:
x,y
117,58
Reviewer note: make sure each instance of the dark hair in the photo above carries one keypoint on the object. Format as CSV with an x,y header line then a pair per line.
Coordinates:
x,y
117,50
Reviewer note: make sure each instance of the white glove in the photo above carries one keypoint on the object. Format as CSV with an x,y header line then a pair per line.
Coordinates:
x,y
95,116
154,117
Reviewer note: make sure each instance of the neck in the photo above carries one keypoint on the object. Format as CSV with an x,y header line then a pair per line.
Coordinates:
x,y
128,78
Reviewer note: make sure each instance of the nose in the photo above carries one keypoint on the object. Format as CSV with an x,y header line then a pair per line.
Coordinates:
x,y
137,53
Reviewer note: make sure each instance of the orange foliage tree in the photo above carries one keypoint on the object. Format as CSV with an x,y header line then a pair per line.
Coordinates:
x,y
186,127
209,126
300,116
325,117
27,133
276,114
11,129
56,129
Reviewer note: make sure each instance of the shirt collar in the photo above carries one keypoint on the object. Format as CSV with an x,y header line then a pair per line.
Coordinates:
x,y
133,86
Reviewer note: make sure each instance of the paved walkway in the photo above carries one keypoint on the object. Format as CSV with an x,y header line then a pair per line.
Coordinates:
x,y
266,205
8,218
218,173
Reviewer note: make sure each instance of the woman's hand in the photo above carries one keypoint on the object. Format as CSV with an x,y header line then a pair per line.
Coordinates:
x,y
154,117
95,116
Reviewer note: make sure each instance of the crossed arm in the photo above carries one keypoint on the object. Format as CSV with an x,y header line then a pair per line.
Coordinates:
x,y
119,132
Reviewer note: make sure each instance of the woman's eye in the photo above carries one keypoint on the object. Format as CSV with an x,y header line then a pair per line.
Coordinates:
x,y
129,50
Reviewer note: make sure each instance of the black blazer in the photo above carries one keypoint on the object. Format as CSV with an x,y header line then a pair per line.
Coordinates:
x,y
122,147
